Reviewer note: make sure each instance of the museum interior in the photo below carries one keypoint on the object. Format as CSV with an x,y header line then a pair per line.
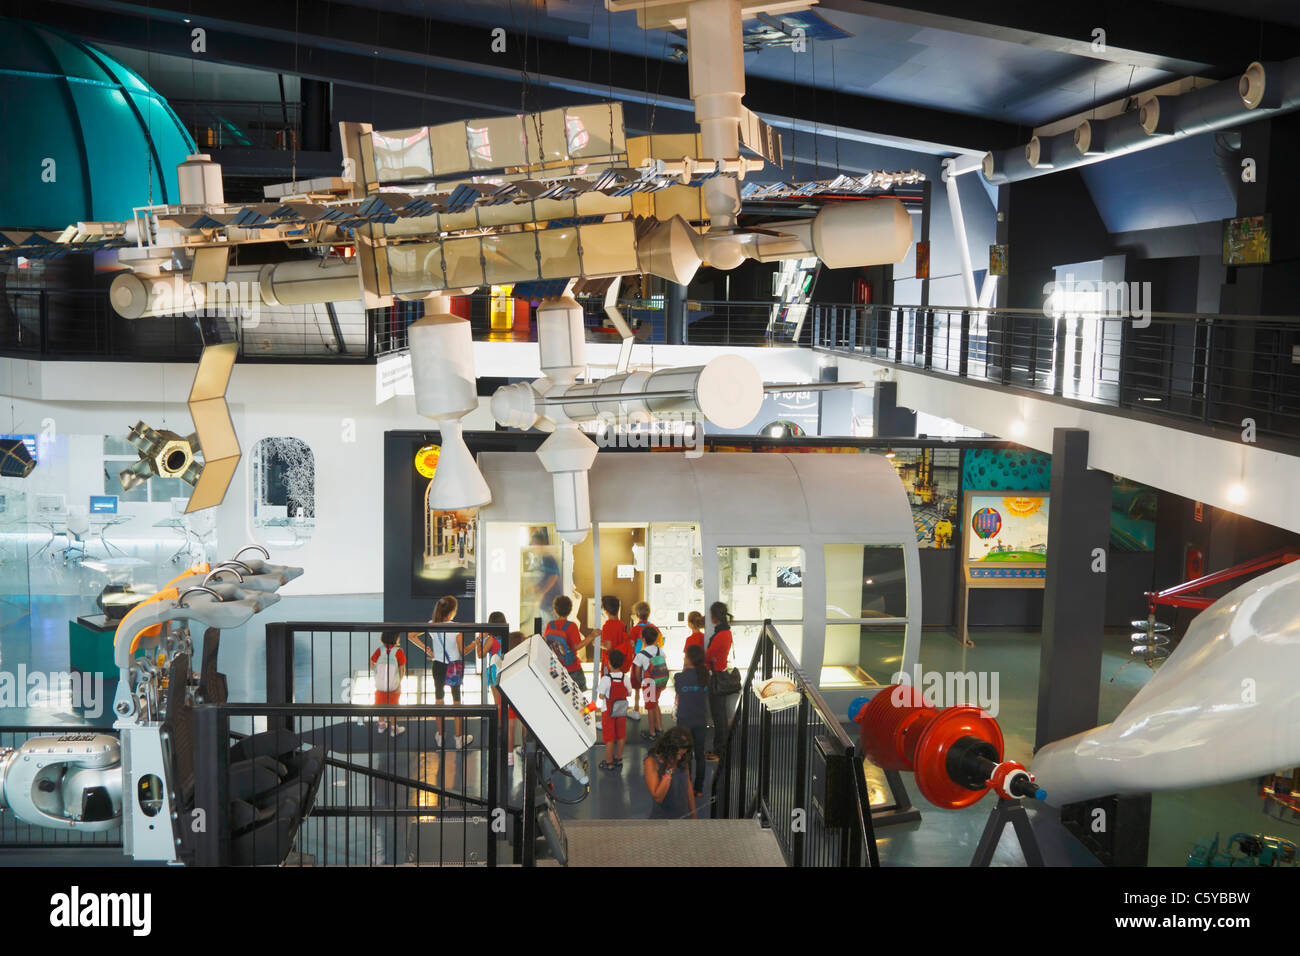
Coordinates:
x,y
396,394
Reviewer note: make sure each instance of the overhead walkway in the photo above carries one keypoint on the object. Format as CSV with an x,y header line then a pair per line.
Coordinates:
x,y
1205,406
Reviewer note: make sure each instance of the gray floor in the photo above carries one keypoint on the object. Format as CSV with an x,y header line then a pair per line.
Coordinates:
x,y
39,640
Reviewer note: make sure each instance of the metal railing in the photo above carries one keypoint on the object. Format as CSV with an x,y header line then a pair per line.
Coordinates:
x,y
240,124
1212,369
80,324
795,768
412,798
382,799
17,835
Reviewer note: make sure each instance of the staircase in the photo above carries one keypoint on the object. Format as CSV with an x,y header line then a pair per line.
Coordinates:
x,y
675,843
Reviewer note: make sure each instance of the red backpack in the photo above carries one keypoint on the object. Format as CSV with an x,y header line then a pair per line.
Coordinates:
x,y
617,687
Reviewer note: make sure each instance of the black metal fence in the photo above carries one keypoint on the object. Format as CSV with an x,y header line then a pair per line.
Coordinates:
x,y
796,768
1212,369
80,324
417,782
394,788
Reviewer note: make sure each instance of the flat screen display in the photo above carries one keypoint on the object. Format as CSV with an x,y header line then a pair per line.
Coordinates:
x,y
103,504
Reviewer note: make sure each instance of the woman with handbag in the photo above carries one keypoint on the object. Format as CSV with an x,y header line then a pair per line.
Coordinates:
x,y
446,654
724,682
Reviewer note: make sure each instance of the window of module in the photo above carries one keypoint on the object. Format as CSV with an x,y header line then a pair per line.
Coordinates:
x,y
283,478
866,614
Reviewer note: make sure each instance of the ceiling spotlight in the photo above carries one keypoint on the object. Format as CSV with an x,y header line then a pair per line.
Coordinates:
x,y
1237,494
889,453
1018,428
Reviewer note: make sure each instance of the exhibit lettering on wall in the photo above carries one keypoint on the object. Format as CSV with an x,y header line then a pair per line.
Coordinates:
x,y
393,377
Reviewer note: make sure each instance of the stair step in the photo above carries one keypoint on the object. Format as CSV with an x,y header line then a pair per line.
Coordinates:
x,y
671,843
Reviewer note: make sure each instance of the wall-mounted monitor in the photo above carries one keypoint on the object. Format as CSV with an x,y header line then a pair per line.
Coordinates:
x,y
103,504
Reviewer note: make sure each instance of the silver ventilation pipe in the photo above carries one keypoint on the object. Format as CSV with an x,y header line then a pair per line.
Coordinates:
x,y
1265,89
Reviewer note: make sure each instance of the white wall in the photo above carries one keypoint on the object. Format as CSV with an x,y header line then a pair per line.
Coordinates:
x,y
324,405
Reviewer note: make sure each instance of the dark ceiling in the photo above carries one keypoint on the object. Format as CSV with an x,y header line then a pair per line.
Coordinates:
x,y
939,75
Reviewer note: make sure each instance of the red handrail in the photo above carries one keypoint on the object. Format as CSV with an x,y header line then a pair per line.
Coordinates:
x,y
1181,595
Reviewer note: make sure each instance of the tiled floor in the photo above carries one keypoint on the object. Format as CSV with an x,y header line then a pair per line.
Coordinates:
x,y
39,641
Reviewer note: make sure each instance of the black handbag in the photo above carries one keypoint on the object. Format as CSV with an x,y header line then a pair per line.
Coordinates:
x,y
725,683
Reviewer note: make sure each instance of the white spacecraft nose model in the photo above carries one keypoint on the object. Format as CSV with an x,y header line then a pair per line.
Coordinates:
x,y
1224,706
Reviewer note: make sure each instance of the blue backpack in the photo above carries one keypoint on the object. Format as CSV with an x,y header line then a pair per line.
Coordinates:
x,y
559,643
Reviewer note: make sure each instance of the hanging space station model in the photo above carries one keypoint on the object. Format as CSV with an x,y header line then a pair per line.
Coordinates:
x,y
140,777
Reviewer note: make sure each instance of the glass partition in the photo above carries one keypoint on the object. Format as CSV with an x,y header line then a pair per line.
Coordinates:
x,y
866,585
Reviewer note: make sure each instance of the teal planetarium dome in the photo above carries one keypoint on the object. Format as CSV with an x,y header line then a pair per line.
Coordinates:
x,y
83,136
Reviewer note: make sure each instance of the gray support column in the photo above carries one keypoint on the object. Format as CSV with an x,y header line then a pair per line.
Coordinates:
x,y
890,421
675,314
1074,605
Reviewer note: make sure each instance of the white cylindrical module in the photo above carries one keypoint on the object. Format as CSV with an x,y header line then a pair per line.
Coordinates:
x,y
728,392
869,232
561,339
515,405
142,296
199,179
716,64
442,363
613,399
457,482
568,455
310,281
794,243
669,251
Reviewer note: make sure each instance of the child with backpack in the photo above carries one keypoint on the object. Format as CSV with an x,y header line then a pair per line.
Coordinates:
x,y
614,690
388,663
650,675
635,633
566,640
613,636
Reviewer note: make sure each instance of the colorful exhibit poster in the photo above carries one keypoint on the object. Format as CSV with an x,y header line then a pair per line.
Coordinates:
x,y
1006,530
930,476
1247,241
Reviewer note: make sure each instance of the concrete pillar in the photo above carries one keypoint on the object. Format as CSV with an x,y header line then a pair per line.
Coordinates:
x,y
1074,605
675,313
889,420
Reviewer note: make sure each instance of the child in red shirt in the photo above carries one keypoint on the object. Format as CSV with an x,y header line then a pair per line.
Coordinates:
x,y
614,690
389,665
696,638
566,640
613,636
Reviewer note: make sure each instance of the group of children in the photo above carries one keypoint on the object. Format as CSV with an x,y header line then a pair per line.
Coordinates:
x,y
633,669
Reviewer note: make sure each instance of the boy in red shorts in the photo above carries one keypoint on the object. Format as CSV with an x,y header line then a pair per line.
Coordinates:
x,y
389,665
615,688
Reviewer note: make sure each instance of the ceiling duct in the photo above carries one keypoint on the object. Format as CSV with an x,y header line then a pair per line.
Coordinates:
x,y
1264,89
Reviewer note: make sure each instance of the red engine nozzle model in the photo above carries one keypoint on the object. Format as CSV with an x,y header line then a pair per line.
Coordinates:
x,y
956,753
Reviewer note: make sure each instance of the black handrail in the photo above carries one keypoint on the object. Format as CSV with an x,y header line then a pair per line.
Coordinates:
x,y
782,789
